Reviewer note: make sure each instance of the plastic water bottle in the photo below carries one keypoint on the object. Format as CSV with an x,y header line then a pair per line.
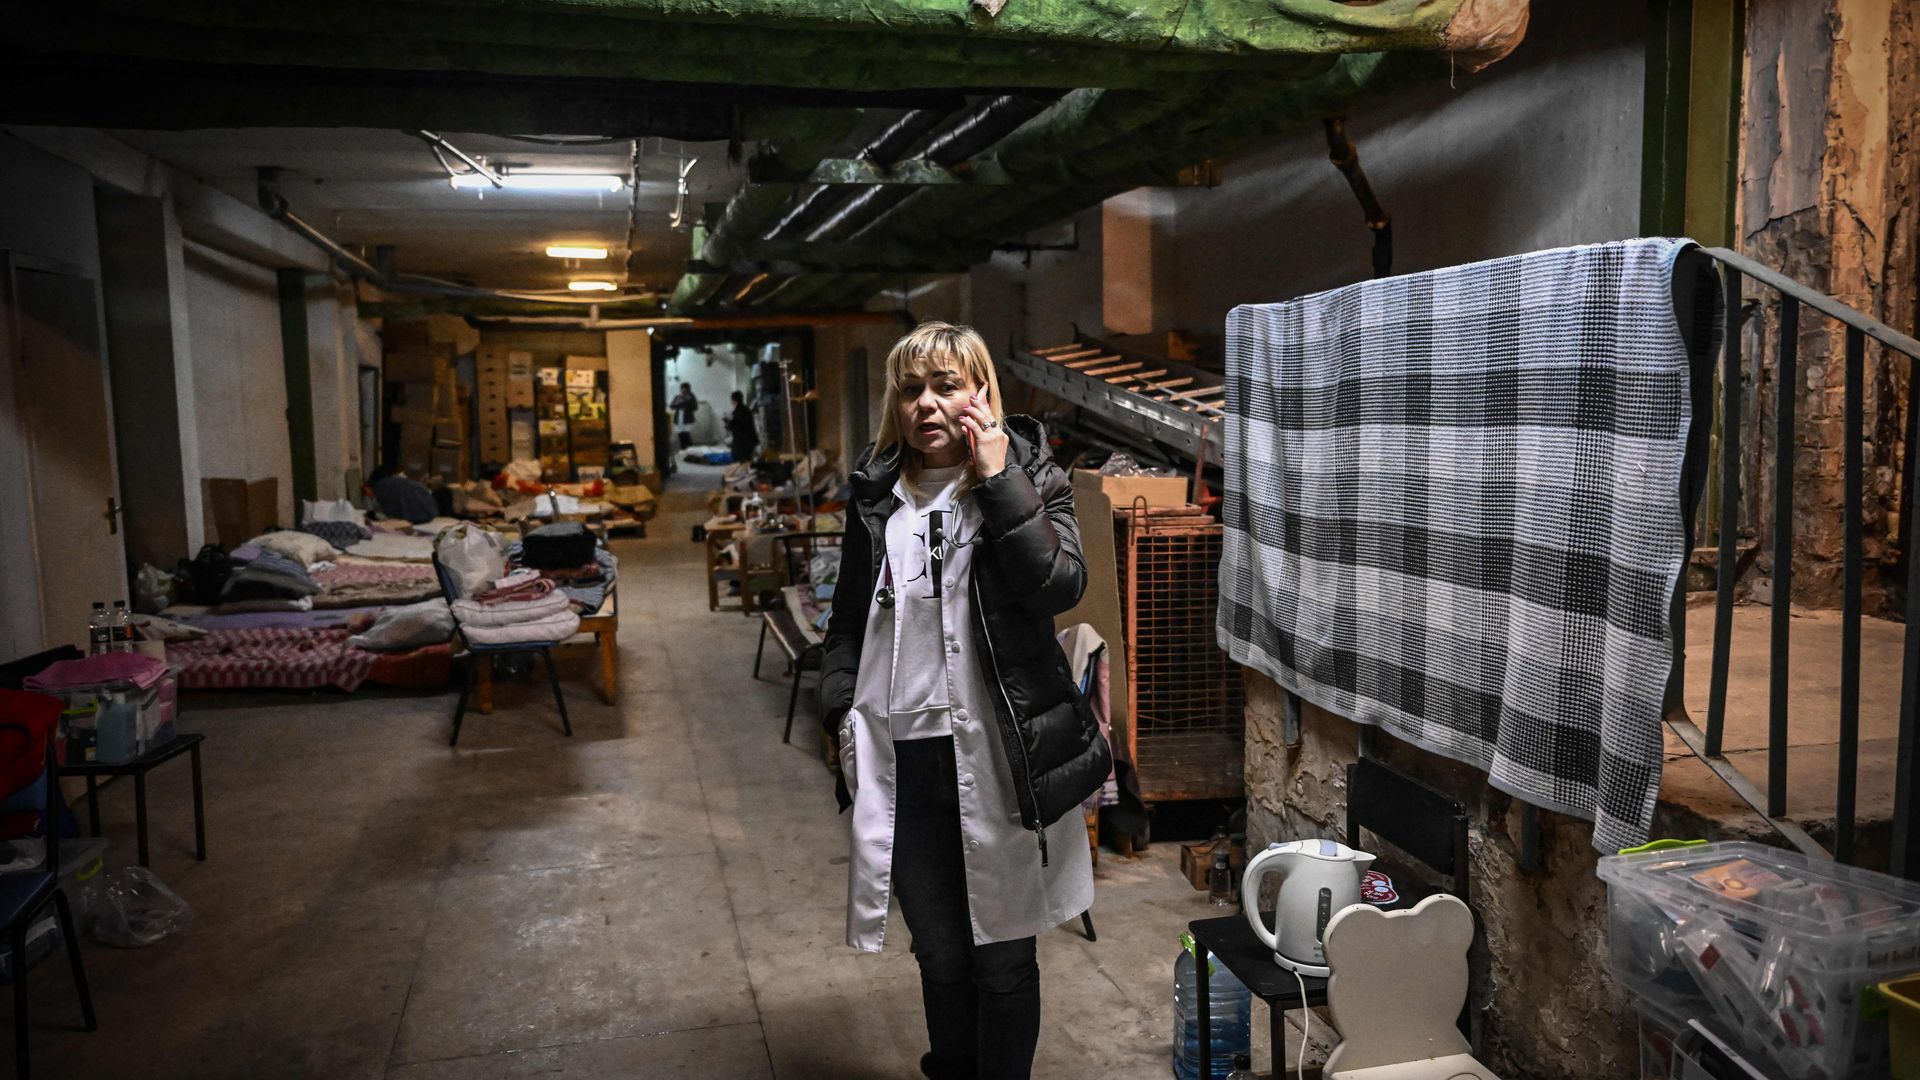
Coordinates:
x,y
99,629
1242,1068
121,625
1220,879
1229,1008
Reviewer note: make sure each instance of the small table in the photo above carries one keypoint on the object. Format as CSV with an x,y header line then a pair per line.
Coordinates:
x,y
603,624
1230,939
138,769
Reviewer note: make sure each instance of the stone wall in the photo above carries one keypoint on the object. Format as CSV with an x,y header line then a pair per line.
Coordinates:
x,y
1544,1004
1830,175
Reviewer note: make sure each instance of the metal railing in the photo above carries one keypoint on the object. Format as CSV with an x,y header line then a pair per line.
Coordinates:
x,y
1791,296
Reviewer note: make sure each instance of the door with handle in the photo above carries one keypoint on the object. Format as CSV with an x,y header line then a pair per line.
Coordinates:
x,y
68,424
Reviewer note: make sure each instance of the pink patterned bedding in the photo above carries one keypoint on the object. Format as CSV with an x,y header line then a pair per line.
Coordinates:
x,y
360,584
278,658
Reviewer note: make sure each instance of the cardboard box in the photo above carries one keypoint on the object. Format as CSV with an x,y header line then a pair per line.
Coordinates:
x,y
423,365
1197,859
449,330
236,511
1123,490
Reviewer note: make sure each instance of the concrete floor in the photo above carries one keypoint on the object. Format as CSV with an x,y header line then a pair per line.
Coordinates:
x,y
1813,704
659,896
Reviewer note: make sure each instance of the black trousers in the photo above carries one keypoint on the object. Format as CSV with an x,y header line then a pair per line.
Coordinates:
x,y
982,1001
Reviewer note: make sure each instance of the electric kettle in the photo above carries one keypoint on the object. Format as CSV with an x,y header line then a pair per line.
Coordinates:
x,y
1317,879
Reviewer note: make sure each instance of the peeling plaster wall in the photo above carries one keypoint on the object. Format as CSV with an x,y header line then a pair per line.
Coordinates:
x,y
1545,1005
1828,189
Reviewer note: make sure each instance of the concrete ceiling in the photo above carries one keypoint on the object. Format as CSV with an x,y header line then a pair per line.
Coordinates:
x,y
370,186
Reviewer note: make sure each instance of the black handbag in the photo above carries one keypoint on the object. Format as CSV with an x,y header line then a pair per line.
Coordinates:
x,y
564,546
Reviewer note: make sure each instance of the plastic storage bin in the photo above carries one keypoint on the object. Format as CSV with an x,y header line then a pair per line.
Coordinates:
x,y
1772,948
118,705
1674,1049
1903,1026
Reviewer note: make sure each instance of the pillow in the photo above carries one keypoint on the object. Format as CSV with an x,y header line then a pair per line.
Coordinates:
x,y
331,510
425,623
302,547
341,534
271,576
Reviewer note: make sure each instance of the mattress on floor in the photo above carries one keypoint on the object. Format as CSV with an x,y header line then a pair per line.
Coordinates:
x,y
293,658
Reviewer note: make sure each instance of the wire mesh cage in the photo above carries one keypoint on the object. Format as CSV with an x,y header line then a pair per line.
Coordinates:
x,y
1185,695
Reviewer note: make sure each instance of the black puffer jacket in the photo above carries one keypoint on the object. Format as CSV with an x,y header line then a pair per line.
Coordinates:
x,y
1027,571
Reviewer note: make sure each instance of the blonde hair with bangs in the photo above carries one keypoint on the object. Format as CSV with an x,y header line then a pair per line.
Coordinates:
x,y
933,346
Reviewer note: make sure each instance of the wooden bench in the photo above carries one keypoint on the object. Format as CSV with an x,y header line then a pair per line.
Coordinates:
x,y
804,646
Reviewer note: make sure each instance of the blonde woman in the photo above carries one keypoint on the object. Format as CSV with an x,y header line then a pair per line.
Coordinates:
x,y
964,747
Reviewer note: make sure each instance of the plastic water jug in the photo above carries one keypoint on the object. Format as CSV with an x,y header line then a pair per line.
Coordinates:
x,y
1229,1010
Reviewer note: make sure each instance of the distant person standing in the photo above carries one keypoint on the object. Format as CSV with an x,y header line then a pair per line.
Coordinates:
x,y
741,432
686,410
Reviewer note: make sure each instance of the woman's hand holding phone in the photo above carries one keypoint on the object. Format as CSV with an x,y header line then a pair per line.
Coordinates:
x,y
986,439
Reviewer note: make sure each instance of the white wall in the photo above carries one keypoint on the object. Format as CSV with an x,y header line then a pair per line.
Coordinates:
x,y
630,391
1543,153
46,211
333,359
714,382
239,378
1541,150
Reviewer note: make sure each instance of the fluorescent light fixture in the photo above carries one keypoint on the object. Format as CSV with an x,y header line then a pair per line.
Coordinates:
x,y
537,181
590,286
563,251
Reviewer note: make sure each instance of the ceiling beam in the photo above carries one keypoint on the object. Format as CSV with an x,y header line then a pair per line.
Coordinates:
x,y
817,45
207,215
92,91
913,172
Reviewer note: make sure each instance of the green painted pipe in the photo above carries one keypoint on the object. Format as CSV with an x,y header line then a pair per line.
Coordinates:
x,y
791,42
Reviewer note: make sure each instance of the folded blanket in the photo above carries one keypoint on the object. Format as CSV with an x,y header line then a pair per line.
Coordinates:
x,y
545,606
283,603
270,576
531,589
588,586
389,545
558,628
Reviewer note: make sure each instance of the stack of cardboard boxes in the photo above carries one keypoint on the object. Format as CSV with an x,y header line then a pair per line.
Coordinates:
x,y
490,371
429,404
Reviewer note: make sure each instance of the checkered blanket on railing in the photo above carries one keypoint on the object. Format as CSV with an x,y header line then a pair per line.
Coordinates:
x,y
1453,510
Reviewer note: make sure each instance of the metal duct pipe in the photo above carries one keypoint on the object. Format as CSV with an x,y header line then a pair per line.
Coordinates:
x,y
275,206
885,149
705,322
969,137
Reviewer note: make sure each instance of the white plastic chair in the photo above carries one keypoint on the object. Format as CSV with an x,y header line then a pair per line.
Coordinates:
x,y
1398,981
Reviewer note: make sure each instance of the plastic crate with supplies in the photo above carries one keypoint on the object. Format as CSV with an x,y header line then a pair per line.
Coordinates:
x,y
118,705
1770,949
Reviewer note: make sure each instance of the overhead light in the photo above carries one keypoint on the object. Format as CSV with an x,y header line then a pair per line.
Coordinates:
x,y
537,181
591,286
562,251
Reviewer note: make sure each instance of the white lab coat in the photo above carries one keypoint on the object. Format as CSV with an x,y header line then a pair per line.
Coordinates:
x,y
1009,894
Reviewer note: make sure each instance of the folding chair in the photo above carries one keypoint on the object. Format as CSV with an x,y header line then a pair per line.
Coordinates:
x,y
475,654
24,895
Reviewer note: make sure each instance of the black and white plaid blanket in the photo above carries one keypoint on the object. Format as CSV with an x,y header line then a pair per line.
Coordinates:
x,y
1454,509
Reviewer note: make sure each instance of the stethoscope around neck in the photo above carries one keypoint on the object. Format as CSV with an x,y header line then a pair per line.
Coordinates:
x,y
939,547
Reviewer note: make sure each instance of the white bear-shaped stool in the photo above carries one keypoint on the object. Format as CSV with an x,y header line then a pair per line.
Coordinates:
x,y
1399,979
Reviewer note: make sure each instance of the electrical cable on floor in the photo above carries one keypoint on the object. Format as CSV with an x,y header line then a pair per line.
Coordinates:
x,y
1306,1031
